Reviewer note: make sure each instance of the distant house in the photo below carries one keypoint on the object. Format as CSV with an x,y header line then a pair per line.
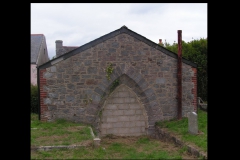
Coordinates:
x,y
39,54
60,49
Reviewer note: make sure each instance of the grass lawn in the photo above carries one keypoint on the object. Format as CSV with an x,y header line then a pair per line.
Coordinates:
x,y
141,147
180,127
62,132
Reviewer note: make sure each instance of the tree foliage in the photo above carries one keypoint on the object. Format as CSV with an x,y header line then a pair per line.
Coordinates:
x,y
34,99
195,51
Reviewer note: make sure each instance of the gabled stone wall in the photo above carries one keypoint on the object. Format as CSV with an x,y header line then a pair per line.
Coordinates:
x,y
76,88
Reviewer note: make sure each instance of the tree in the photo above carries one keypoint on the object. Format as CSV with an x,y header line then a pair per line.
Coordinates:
x,y
195,51
53,57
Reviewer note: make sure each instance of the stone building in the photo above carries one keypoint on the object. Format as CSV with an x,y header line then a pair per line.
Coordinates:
x,y
60,49
141,89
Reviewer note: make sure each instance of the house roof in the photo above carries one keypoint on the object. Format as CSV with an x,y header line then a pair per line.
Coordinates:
x,y
36,41
68,48
121,30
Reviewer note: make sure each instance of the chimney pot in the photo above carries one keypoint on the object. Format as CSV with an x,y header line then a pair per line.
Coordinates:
x,y
160,41
59,44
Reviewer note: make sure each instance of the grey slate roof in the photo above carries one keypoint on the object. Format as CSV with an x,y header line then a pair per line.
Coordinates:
x,y
69,48
36,41
121,30
66,49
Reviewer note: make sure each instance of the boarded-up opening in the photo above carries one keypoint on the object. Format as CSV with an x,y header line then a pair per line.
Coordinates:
x,y
123,114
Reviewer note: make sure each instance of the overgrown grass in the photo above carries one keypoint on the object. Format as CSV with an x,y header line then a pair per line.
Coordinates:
x,y
143,148
180,127
62,132
59,132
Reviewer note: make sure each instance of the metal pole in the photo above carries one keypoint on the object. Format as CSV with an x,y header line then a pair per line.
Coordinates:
x,y
179,74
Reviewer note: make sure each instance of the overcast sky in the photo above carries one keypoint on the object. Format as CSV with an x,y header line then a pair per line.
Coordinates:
x,y
79,23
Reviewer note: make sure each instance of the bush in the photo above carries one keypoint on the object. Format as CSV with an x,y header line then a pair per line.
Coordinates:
x,y
34,99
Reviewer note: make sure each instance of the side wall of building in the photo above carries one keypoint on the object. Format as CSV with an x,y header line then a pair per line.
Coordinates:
x,y
33,74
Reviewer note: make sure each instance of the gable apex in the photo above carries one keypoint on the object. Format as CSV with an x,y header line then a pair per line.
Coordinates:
x,y
112,34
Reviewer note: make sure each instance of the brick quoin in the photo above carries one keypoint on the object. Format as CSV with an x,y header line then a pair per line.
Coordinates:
x,y
194,90
43,94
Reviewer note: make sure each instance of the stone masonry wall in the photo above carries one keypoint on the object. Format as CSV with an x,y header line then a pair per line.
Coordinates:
x,y
77,87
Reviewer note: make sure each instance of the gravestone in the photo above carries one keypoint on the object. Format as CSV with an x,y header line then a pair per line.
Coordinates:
x,y
192,123
96,142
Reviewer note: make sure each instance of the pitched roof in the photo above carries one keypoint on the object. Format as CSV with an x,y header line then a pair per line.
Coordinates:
x,y
66,49
121,30
36,41
69,48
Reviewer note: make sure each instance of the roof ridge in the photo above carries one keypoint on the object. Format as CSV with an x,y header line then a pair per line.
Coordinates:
x,y
105,37
71,46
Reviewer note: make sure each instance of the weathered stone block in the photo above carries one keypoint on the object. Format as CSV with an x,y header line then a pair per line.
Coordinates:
x,y
108,125
123,94
139,112
192,123
118,124
112,119
70,98
86,76
88,62
103,131
91,82
112,50
123,118
70,86
47,101
111,106
112,131
99,91
51,82
75,78
106,113
160,81
130,100
135,130
118,100
123,106
134,106
125,53
115,45
117,112
123,131
80,111
52,95
47,75
90,119
95,98
91,109
129,112
92,70
53,69
129,124
50,108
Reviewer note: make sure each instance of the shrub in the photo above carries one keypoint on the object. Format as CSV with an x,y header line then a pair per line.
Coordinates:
x,y
34,99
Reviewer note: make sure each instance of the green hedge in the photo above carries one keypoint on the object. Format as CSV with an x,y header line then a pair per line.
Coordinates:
x,y
34,99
